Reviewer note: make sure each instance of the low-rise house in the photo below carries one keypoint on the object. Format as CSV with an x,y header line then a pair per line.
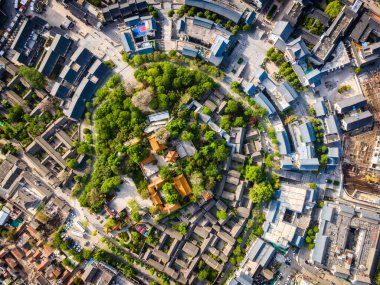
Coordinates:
x,y
257,259
310,164
283,142
114,11
357,121
263,101
350,104
307,132
332,129
281,33
320,108
365,49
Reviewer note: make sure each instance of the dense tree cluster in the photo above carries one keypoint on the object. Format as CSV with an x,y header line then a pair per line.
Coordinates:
x,y
288,73
171,82
171,195
21,126
35,78
116,121
333,8
235,115
314,26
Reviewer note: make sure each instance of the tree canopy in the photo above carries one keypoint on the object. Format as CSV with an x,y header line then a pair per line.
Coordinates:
x,y
253,173
333,8
35,78
261,192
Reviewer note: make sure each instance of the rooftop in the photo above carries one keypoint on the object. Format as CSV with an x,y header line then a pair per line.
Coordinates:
x,y
218,8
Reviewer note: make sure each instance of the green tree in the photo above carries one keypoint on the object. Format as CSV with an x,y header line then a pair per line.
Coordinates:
x,y
209,136
181,11
71,163
86,253
254,173
220,153
313,185
33,76
113,81
171,13
246,28
171,195
187,136
110,184
333,8
261,192
203,274
231,107
235,86
324,160
182,228
136,217
137,153
137,60
221,215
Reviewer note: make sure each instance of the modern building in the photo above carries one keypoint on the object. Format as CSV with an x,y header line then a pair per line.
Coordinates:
x,y
264,102
297,53
227,12
338,29
357,121
280,34
283,142
200,37
4,215
347,243
365,37
350,104
140,36
320,108
309,164
255,262
80,60
307,132
288,216
96,75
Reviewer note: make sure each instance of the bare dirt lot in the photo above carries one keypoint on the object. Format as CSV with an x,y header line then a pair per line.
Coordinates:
x,y
358,152
370,83
359,149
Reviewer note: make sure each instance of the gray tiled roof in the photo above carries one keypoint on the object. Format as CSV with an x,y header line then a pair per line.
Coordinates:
x,y
217,8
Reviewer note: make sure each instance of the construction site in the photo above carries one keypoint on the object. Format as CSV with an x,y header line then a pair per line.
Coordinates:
x,y
361,163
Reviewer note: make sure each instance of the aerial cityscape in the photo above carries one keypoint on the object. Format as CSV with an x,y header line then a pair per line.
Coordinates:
x,y
198,142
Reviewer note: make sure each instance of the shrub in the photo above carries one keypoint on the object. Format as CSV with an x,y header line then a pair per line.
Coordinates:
x,y
221,215
344,88
333,8
313,185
